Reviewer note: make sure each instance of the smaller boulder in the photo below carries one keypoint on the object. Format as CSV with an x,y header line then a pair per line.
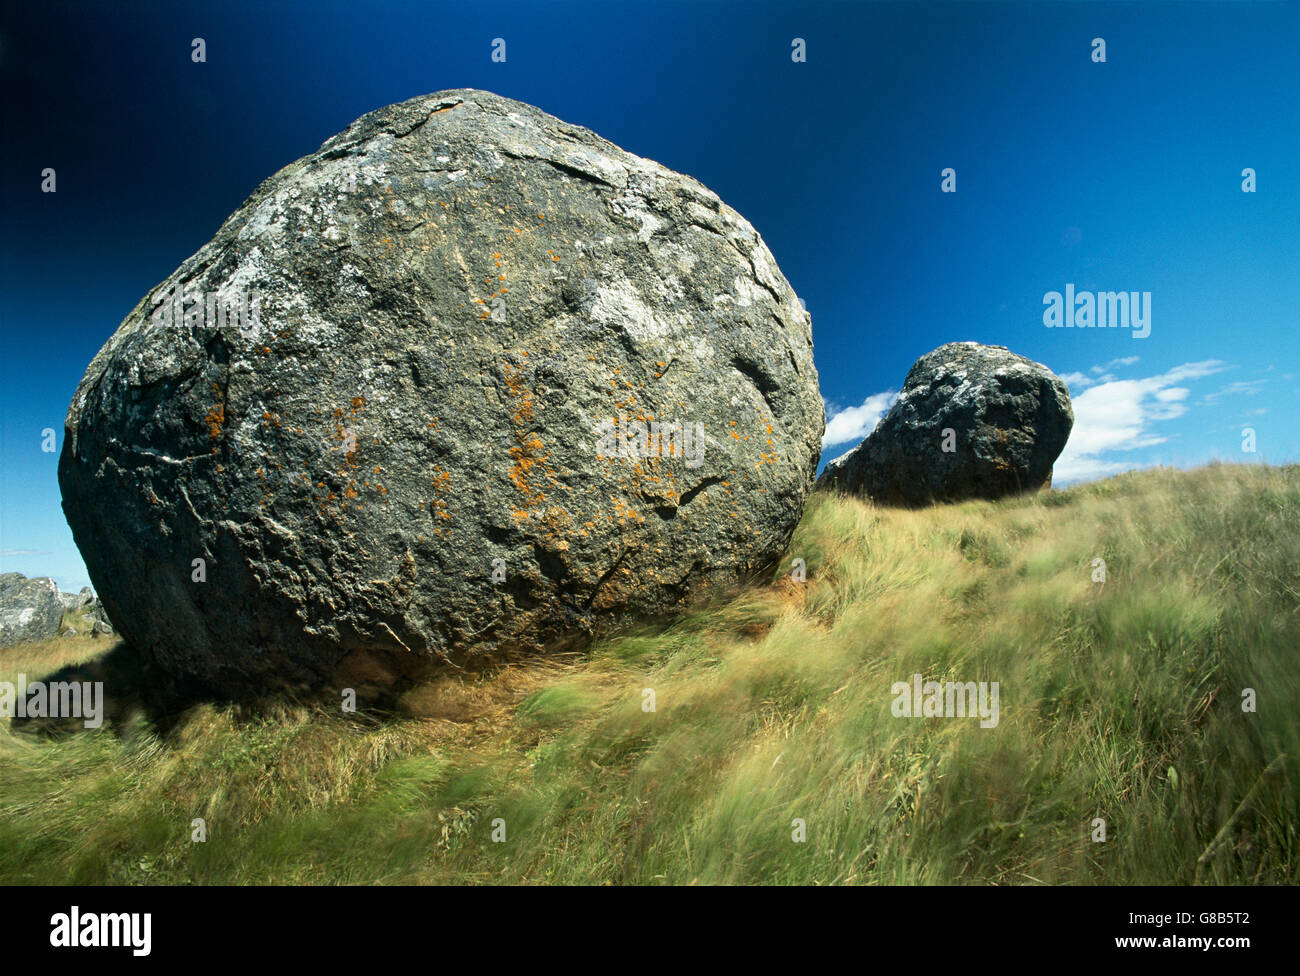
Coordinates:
x,y
77,602
85,598
972,421
30,609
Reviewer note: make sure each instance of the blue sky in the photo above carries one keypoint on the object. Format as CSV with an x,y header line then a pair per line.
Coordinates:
x,y
1123,175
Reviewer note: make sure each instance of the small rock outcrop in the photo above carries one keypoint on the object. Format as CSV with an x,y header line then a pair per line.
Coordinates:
x,y
972,421
468,381
30,609
78,602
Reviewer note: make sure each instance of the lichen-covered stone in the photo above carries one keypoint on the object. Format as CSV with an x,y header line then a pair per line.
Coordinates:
x,y
462,303
30,609
972,421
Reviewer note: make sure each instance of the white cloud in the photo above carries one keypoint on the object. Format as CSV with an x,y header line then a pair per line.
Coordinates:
x,y
1078,381
1099,374
855,423
1118,416
1246,387
1121,361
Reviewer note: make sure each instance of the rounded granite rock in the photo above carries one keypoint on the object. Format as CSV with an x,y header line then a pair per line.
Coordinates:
x,y
466,382
972,421
30,609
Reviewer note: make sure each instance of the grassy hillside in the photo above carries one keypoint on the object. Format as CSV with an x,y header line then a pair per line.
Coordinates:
x,y
1119,700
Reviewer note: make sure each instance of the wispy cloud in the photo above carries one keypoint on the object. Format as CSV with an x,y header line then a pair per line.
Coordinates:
x,y
1240,388
855,423
1098,374
23,552
1121,361
1077,381
1119,415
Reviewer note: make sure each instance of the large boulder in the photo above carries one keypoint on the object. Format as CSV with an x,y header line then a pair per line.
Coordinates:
x,y
30,609
467,381
972,421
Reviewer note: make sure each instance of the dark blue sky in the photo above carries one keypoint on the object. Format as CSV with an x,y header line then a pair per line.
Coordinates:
x,y
1117,176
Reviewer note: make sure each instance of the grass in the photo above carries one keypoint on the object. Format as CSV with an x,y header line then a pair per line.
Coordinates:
x,y
1119,700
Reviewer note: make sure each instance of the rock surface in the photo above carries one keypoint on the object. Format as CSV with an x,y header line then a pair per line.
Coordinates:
x,y
398,460
79,601
30,609
1009,416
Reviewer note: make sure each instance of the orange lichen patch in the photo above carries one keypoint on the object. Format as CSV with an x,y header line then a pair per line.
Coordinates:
x,y
528,457
216,416
624,512
440,483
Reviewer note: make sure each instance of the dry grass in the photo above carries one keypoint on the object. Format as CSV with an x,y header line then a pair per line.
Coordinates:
x,y
1119,700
